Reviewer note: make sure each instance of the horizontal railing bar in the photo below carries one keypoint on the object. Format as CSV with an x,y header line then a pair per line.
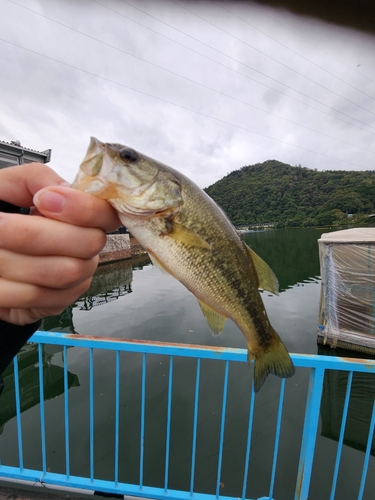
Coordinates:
x,y
196,351
101,485
142,346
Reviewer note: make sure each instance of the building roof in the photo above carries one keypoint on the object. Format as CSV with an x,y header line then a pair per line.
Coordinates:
x,y
17,145
15,148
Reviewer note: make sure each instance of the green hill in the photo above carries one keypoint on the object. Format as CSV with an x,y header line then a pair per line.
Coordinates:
x,y
273,191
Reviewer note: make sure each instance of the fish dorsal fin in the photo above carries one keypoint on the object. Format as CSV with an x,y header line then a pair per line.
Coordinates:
x,y
185,235
266,277
215,320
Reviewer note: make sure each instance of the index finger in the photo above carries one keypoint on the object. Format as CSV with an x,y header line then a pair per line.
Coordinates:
x,y
76,207
19,184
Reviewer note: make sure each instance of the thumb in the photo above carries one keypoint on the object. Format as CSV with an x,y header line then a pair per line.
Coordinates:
x,y
76,207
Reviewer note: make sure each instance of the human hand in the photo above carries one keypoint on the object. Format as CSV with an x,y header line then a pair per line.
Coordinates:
x,y
47,259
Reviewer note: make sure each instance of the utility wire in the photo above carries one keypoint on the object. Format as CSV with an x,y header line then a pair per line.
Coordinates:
x,y
319,48
178,105
189,79
240,62
220,64
294,52
274,59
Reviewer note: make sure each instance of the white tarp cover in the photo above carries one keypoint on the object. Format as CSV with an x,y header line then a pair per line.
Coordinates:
x,y
347,265
355,235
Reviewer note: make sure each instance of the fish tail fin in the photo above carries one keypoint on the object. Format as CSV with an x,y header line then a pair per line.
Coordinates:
x,y
274,359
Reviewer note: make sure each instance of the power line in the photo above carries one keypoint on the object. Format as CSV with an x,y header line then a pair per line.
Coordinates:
x,y
295,52
189,79
275,60
227,67
178,105
242,63
320,49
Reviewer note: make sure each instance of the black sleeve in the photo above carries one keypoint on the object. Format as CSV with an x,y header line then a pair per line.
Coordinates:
x,y
12,209
12,338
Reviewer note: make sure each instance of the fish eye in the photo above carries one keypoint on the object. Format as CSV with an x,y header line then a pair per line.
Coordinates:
x,y
128,155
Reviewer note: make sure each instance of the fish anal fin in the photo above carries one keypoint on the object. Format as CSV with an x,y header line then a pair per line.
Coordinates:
x,y
274,359
184,235
266,277
215,320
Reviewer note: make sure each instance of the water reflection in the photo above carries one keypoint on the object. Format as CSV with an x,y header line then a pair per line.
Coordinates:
x,y
61,323
110,282
28,375
360,404
292,254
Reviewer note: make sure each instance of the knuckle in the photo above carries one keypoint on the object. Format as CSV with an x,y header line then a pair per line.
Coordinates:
x,y
3,262
76,271
97,242
16,232
83,286
33,295
55,311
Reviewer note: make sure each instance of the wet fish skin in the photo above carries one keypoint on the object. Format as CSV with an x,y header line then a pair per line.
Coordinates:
x,y
190,237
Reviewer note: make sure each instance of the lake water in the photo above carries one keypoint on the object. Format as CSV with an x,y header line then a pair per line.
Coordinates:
x,y
133,299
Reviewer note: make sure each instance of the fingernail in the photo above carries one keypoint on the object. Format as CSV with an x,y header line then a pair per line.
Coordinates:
x,y
49,201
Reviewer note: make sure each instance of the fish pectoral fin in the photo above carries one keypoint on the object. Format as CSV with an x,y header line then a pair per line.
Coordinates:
x,y
215,320
185,235
266,277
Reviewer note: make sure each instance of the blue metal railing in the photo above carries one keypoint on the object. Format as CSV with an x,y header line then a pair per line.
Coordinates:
x,y
316,365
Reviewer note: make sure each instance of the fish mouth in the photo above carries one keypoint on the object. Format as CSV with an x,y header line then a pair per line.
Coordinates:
x,y
90,184
95,147
92,171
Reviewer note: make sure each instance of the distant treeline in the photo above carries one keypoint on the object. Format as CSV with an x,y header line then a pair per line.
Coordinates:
x,y
295,196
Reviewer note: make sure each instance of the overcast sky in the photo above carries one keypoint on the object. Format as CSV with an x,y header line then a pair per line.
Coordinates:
x,y
204,87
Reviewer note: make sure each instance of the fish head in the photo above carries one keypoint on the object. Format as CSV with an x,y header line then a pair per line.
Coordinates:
x,y
134,184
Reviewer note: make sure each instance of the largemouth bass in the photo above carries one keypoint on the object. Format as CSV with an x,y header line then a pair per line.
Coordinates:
x,y
190,237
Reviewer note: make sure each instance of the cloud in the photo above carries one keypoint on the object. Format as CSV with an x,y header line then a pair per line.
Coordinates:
x,y
204,87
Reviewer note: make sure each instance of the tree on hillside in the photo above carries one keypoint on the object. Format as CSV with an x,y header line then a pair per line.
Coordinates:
x,y
273,191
